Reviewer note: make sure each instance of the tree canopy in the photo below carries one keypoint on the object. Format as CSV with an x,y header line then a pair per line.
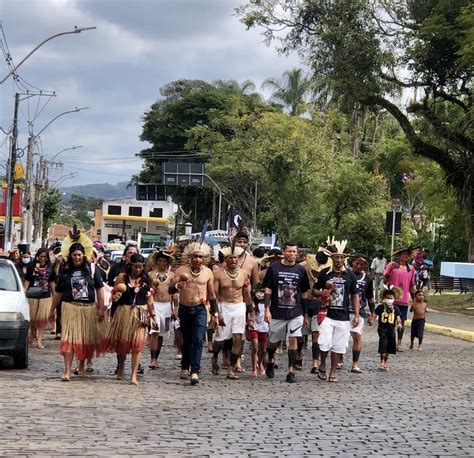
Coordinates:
x,y
372,51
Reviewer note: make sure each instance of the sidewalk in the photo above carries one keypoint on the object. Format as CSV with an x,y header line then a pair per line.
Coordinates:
x,y
450,324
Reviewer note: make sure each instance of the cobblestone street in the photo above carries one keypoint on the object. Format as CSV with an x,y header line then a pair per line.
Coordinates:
x,y
422,407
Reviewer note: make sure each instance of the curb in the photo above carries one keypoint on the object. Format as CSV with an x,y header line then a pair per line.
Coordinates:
x,y
445,331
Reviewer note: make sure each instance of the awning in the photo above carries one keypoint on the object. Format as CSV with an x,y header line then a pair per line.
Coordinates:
x,y
150,238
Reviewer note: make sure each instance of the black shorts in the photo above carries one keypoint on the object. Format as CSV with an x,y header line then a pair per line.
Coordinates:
x,y
417,328
387,341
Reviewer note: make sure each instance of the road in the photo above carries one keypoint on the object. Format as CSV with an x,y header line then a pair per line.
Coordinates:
x,y
422,407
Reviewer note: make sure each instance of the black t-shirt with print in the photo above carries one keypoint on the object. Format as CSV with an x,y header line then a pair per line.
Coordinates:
x,y
41,278
287,284
345,284
78,286
366,291
387,318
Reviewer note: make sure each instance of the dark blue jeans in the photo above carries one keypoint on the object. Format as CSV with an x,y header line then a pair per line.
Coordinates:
x,y
193,324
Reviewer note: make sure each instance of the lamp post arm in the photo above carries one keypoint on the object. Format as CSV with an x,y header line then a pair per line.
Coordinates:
x,y
76,30
58,116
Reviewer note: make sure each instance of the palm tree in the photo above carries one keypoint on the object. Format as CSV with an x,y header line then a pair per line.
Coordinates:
x,y
290,90
234,87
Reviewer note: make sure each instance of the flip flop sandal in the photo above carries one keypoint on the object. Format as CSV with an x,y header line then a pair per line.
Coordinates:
x,y
232,376
65,379
314,370
332,379
356,370
322,374
240,370
339,365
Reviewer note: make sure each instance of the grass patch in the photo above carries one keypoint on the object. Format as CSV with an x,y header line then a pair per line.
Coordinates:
x,y
452,302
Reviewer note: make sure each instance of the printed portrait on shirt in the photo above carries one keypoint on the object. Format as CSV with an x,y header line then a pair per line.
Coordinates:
x,y
286,294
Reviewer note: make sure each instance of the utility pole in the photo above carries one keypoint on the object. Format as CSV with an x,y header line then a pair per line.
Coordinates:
x,y
27,223
11,178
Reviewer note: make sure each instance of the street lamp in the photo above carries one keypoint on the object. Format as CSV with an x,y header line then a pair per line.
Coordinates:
x,y
64,178
76,30
65,149
27,221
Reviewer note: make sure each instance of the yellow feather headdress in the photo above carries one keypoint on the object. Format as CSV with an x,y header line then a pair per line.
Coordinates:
x,y
75,236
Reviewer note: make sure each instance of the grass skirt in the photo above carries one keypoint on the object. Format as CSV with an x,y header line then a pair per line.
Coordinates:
x,y
39,311
126,334
82,333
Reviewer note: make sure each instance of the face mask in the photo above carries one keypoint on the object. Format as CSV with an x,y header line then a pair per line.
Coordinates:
x,y
25,260
388,301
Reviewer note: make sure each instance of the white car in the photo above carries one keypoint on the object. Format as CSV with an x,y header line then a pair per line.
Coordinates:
x,y
14,315
145,252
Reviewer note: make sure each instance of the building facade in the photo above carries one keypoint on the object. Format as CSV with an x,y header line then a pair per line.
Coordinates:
x,y
129,219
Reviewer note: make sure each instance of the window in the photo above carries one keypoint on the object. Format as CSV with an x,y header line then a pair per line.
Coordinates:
x,y
156,213
114,210
135,211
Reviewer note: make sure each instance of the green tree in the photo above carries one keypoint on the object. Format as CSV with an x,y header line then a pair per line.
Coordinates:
x,y
290,90
374,50
51,209
186,104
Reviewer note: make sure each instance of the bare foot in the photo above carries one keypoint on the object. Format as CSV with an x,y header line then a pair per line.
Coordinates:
x,y
419,349
253,374
134,382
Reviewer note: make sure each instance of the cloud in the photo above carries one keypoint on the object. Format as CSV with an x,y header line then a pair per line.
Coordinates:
x,y
117,70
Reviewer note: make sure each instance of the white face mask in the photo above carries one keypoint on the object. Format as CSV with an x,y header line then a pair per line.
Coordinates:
x,y
388,301
25,260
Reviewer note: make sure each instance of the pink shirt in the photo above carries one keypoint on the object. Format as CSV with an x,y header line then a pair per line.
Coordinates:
x,y
403,279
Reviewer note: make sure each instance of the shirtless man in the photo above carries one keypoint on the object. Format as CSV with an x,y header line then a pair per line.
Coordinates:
x,y
231,285
160,277
246,261
195,284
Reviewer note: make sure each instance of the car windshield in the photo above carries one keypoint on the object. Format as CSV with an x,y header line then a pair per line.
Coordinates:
x,y
8,280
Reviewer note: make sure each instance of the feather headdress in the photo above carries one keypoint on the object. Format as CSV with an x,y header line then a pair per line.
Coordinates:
x,y
196,247
75,236
153,258
338,246
231,251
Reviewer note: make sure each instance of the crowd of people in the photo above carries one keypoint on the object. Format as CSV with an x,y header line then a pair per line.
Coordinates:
x,y
273,300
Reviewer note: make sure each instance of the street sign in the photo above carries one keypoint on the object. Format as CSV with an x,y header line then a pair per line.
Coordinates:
x,y
389,222
183,174
151,192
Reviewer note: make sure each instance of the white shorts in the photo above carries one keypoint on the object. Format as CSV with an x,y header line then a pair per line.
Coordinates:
x,y
279,329
314,326
234,319
359,327
334,335
163,314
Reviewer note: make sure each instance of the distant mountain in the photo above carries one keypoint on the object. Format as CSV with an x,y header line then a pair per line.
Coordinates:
x,y
99,191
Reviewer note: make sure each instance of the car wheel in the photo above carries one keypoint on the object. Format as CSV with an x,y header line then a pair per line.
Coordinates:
x,y
20,359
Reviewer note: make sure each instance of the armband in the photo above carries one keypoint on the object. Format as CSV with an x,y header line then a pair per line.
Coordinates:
x,y
267,298
250,308
305,304
214,306
173,289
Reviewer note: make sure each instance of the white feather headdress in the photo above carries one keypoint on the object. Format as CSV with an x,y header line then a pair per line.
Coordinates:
x,y
339,245
195,247
231,251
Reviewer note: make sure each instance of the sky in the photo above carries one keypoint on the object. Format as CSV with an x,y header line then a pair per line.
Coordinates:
x,y
116,71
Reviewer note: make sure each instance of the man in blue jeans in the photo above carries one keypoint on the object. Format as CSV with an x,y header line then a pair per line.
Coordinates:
x,y
194,282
